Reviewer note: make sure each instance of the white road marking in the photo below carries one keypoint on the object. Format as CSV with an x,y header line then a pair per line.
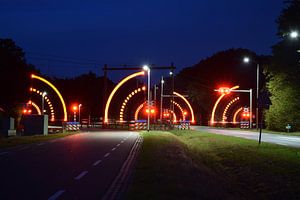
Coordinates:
x,y
122,141
106,154
40,144
52,141
97,162
23,148
82,174
56,194
118,145
113,149
3,153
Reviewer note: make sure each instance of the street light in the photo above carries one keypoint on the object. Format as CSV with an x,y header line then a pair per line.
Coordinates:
x,y
74,108
79,106
294,34
146,68
43,96
247,60
161,97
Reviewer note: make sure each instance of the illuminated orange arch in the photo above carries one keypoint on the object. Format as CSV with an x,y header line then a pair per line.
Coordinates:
x,y
212,120
56,91
227,107
37,108
180,108
116,89
189,105
126,100
47,101
236,113
137,111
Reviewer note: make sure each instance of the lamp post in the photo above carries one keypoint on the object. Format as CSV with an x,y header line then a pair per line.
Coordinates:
x,y
146,68
43,100
79,106
161,97
247,60
74,110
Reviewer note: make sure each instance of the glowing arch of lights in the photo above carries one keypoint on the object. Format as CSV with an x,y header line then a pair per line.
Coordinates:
x,y
47,100
116,89
126,100
174,116
212,120
189,105
227,107
180,108
38,110
236,113
137,111
57,92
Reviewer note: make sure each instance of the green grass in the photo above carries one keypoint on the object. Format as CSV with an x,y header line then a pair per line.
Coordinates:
x,y
21,140
180,165
264,131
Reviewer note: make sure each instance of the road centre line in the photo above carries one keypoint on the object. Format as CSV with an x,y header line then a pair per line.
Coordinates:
x,y
97,162
82,174
122,141
107,154
23,148
56,194
118,144
40,144
113,149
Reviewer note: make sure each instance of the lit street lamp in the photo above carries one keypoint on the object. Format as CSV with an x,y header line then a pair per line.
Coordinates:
x,y
161,97
146,68
43,100
79,106
294,34
247,60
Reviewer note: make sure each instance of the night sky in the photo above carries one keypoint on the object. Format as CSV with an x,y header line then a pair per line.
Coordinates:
x,y
67,38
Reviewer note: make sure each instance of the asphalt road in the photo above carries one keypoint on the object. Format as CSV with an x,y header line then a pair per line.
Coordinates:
x,y
291,141
81,166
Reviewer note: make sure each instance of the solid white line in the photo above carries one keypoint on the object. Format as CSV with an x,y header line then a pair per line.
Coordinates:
x,y
3,153
113,149
106,155
118,145
82,174
56,194
97,162
40,144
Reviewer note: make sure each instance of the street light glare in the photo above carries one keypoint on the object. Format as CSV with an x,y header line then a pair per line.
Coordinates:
x,y
146,68
294,34
246,59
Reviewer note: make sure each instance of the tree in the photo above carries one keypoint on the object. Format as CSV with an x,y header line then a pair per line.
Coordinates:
x,y
284,72
14,75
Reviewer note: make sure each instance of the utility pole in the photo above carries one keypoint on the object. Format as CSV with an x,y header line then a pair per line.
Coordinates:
x,y
161,97
104,93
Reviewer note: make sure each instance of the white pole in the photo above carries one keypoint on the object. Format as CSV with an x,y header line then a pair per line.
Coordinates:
x,y
257,93
161,97
148,121
250,108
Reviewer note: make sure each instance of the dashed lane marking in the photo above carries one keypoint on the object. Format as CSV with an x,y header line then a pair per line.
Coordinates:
x,y
113,149
122,141
56,195
23,148
97,162
118,145
3,153
82,174
107,154
40,144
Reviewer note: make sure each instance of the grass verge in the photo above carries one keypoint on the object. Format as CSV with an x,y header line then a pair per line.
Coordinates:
x,y
21,140
194,165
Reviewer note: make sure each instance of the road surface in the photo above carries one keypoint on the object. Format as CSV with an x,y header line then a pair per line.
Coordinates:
x,y
292,141
81,166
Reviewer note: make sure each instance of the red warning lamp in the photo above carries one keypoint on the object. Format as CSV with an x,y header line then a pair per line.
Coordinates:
x,y
74,108
224,90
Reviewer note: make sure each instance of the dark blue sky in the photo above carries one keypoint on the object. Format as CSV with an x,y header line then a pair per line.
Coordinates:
x,y
66,38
